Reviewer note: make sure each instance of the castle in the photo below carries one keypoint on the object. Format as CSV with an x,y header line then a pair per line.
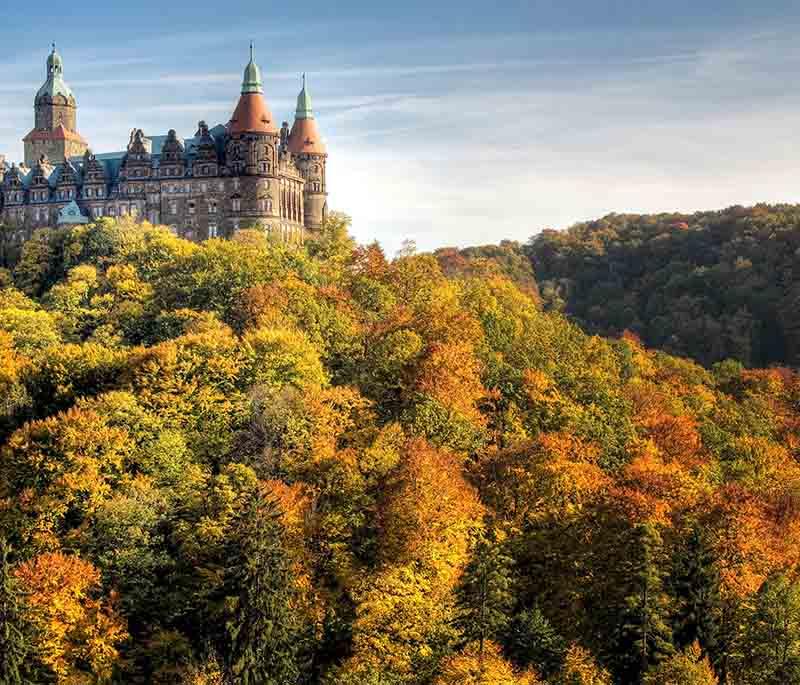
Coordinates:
x,y
245,173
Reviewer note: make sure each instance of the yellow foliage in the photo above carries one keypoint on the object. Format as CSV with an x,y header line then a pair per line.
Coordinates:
x,y
580,669
470,667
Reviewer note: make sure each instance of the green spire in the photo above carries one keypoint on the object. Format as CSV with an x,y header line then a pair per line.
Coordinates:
x,y
252,75
55,66
304,110
54,85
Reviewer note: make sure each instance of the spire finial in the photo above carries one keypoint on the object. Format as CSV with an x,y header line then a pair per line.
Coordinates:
x,y
252,74
54,46
304,80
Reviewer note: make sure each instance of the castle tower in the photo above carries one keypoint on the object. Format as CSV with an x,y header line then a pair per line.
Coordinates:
x,y
310,154
55,133
251,151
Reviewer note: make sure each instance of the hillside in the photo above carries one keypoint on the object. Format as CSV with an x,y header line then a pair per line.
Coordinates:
x,y
711,285
241,462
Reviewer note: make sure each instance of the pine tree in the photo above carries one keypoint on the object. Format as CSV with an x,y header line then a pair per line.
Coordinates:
x,y
644,635
484,596
14,645
532,641
262,638
696,588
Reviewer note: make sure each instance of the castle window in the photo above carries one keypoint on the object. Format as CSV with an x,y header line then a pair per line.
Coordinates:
x,y
236,184
205,171
191,207
237,204
212,230
212,207
173,207
111,211
204,187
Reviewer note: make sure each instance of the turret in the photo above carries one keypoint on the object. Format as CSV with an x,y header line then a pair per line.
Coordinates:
x,y
55,131
310,154
251,152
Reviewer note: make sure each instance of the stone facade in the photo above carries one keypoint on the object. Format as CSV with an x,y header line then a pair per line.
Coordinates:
x,y
245,173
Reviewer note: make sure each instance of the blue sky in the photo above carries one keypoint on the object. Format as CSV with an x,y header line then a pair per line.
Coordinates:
x,y
454,123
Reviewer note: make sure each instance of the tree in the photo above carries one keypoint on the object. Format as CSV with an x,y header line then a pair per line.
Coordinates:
x,y
484,595
696,586
260,633
644,636
15,645
581,669
683,668
531,640
77,635
772,635
482,665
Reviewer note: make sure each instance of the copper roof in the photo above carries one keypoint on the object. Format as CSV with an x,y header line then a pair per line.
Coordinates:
x,y
60,132
252,116
305,138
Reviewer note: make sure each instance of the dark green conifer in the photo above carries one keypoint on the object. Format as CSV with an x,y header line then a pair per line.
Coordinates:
x,y
262,638
14,644
532,641
644,637
485,595
696,587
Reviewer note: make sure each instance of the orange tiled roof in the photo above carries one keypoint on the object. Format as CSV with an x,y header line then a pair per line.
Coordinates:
x,y
60,132
305,138
252,116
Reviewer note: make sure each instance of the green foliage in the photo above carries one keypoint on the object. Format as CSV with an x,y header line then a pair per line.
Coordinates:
x,y
15,646
712,285
530,640
261,636
485,595
772,639
644,634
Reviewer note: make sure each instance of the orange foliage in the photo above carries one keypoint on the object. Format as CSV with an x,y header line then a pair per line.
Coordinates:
x,y
654,490
556,474
77,635
451,375
749,539
430,511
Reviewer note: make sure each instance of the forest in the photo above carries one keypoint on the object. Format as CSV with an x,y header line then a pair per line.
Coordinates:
x,y
710,286
243,463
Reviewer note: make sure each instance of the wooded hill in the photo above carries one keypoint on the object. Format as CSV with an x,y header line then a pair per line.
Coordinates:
x,y
711,285
239,462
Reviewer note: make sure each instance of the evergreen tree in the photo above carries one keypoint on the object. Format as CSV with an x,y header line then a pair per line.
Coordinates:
x,y
484,596
771,654
532,641
262,638
696,588
14,645
644,635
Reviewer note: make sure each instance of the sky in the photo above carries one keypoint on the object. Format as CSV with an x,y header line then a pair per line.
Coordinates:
x,y
452,123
